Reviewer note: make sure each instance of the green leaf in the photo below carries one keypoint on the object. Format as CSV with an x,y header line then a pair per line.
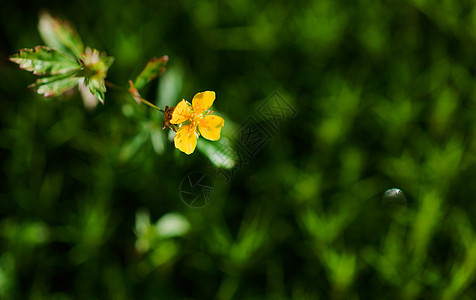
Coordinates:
x,y
55,85
169,87
172,225
220,153
96,66
153,69
96,87
60,34
45,61
158,139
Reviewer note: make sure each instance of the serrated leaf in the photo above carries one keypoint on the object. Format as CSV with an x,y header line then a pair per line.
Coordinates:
x,y
55,85
60,34
220,153
153,69
89,100
45,61
96,66
97,87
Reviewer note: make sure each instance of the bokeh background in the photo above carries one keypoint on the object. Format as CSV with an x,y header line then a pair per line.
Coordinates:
x,y
384,94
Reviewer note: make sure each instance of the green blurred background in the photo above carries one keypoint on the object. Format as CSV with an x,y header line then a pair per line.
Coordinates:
x,y
384,92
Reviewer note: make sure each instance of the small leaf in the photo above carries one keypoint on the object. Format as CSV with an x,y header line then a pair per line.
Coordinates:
x,y
172,225
55,85
153,69
134,92
89,100
169,87
60,34
158,139
45,61
96,87
96,66
220,153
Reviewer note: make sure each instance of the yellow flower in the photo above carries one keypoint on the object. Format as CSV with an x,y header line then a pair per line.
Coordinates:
x,y
192,115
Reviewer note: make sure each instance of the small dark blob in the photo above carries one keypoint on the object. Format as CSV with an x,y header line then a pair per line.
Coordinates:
x,y
394,199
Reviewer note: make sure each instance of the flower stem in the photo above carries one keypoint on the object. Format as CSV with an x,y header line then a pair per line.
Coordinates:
x,y
152,105
115,86
120,88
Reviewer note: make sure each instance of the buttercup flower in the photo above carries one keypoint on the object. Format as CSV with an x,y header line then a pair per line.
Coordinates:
x,y
191,116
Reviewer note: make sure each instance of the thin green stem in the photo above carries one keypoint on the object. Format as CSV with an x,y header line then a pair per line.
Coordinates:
x,y
152,105
115,86
123,89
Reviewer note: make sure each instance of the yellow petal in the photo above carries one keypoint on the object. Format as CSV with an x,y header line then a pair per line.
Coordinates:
x,y
202,101
181,113
210,127
185,139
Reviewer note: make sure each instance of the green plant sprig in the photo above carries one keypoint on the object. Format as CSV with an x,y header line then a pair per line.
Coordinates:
x,y
64,63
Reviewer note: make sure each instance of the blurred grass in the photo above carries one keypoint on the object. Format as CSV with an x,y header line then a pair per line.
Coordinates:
x,y
89,200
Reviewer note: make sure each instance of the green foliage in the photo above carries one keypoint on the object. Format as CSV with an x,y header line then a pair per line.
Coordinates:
x,y
45,61
60,34
90,66
385,99
220,153
153,69
96,67
96,87
55,85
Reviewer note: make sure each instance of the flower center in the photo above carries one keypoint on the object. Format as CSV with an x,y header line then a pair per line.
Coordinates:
x,y
195,118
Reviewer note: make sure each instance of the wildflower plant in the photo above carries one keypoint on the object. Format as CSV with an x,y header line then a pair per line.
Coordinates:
x,y
65,63
187,117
